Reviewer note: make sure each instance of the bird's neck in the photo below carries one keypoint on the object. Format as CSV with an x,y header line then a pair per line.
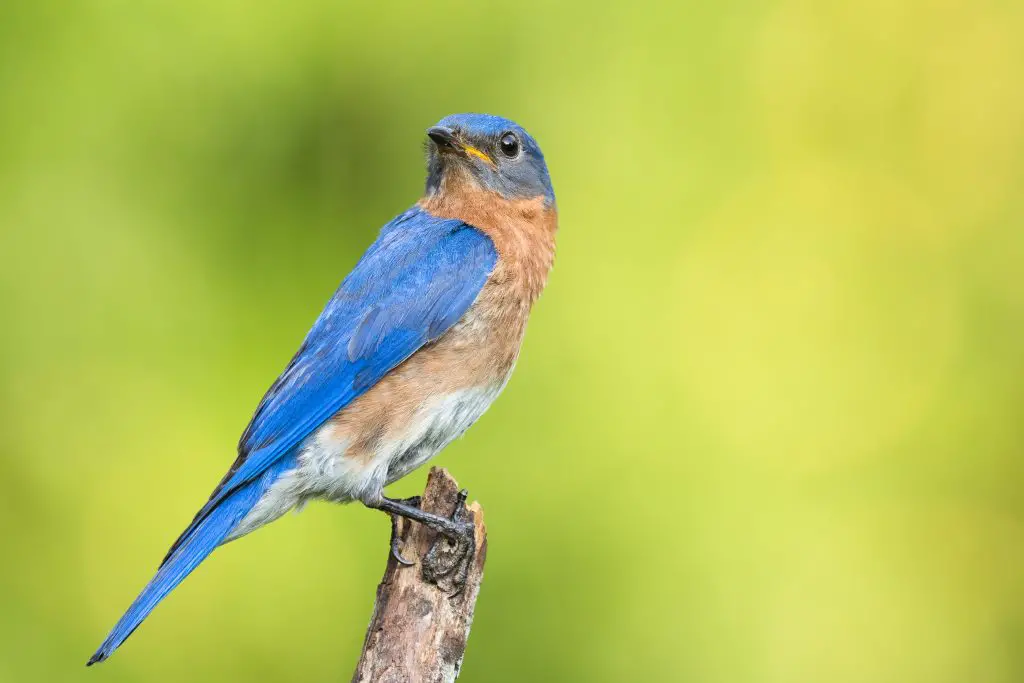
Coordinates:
x,y
523,232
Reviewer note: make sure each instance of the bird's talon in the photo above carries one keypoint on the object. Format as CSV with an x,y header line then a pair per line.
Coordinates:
x,y
395,542
401,560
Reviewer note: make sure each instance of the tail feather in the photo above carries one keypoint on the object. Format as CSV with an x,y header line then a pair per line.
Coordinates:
x,y
200,542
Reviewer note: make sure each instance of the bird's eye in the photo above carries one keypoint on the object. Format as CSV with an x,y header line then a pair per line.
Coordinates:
x,y
509,145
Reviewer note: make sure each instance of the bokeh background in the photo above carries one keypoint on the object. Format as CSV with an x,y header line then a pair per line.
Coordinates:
x,y
767,425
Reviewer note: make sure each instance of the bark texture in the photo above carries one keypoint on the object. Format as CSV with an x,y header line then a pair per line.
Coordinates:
x,y
421,620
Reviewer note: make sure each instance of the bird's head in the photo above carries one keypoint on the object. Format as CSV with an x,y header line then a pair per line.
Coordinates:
x,y
488,152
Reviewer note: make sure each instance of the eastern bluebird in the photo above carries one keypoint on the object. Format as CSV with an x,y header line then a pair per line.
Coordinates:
x,y
414,346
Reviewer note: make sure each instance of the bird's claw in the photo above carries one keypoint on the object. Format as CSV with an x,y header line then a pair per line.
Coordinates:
x,y
396,539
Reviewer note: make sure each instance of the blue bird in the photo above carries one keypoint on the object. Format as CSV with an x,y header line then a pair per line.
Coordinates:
x,y
413,347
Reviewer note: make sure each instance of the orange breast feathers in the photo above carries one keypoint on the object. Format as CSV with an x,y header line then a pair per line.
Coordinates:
x,y
523,232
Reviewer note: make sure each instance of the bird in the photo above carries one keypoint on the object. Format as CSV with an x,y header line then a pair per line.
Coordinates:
x,y
413,347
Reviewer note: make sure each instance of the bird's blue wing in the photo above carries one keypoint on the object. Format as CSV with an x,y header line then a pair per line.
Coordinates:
x,y
412,285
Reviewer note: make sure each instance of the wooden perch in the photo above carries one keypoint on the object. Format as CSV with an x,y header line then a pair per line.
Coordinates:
x,y
421,618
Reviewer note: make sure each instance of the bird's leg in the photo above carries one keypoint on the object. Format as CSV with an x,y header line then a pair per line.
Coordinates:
x,y
454,526
459,538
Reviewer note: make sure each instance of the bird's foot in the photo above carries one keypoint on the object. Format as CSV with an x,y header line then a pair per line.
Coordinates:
x,y
451,554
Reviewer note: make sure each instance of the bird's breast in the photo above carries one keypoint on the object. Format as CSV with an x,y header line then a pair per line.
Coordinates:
x,y
523,232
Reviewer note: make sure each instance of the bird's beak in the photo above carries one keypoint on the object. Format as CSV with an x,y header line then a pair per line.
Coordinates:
x,y
443,137
446,140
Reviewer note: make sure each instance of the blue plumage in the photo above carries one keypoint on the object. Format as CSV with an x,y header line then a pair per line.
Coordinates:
x,y
415,282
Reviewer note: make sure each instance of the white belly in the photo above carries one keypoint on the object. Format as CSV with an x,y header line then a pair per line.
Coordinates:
x,y
324,471
436,425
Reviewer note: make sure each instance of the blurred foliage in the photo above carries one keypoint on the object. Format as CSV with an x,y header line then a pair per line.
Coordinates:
x,y
767,423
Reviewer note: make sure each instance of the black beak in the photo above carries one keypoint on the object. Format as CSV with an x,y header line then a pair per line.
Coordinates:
x,y
443,137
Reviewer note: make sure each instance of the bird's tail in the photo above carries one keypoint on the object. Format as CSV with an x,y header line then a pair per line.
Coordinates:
x,y
192,549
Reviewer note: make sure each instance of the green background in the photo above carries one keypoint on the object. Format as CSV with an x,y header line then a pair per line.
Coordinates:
x,y
767,423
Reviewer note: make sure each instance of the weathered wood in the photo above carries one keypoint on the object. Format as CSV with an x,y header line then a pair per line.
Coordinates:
x,y
421,622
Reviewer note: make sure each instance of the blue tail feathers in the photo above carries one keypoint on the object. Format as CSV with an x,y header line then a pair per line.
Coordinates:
x,y
199,543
